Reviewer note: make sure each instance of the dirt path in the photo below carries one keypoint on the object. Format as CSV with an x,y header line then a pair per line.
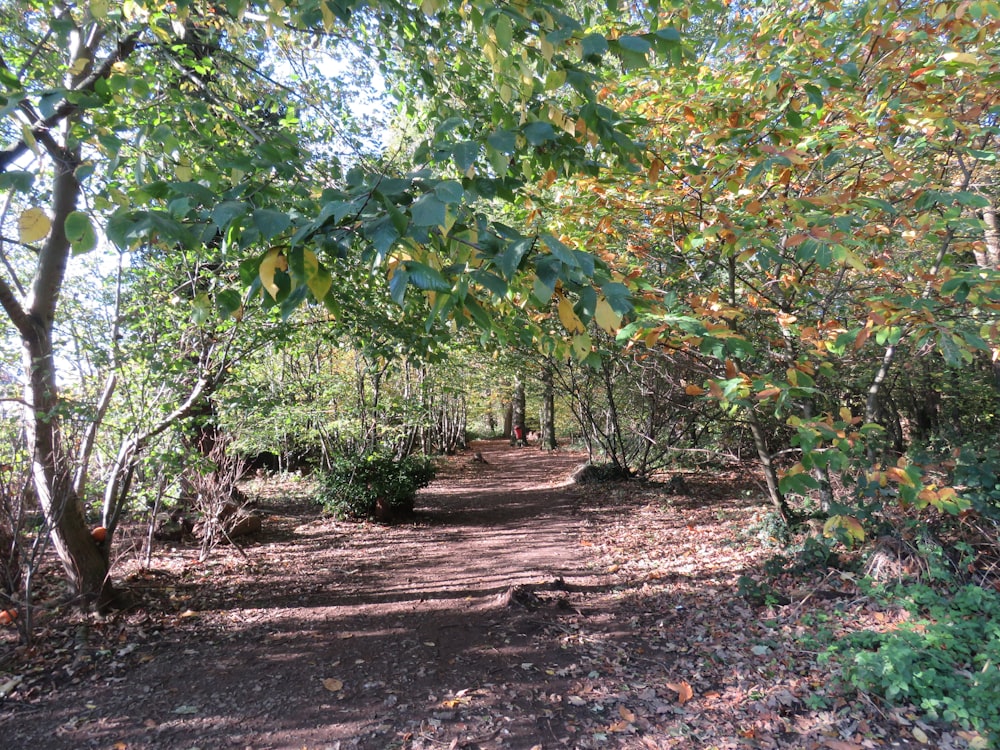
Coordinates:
x,y
516,611
369,637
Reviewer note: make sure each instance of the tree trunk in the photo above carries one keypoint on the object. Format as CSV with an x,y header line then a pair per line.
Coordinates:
x,y
548,421
517,412
84,561
990,257
770,474
53,472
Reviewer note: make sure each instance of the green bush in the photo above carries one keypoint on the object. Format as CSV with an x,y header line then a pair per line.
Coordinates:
x,y
354,485
945,660
978,473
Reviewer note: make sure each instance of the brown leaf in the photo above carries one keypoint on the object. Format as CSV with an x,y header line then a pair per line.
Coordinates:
x,y
626,714
683,690
333,685
840,744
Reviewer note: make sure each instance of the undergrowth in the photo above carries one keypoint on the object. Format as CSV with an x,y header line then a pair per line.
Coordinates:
x,y
945,660
367,485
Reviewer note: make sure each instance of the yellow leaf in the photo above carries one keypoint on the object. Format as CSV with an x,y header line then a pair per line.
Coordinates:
x,y
183,171
29,139
273,261
963,58
569,318
33,225
79,65
320,281
607,318
333,684
683,690
329,19
850,527
582,345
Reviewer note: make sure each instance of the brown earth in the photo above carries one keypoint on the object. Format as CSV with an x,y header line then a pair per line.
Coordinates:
x,y
515,610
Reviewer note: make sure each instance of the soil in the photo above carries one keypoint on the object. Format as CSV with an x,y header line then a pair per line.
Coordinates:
x,y
515,609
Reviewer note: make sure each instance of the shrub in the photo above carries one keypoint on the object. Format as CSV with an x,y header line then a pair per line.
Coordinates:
x,y
368,485
945,660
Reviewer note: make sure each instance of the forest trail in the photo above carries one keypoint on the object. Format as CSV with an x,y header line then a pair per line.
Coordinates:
x,y
515,610
365,635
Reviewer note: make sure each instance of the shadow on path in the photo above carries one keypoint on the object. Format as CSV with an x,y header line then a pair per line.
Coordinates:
x,y
393,618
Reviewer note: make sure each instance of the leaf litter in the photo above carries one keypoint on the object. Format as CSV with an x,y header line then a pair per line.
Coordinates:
x,y
515,610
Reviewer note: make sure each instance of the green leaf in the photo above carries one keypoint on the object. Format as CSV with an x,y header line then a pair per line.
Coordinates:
x,y
17,180
450,191
428,211
226,212
632,51
504,141
560,250
504,31
593,46
201,308
397,286
270,223
424,277
538,133
229,303
465,154
80,232
510,261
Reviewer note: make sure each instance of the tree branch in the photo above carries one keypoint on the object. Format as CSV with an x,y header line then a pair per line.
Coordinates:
x,y
125,48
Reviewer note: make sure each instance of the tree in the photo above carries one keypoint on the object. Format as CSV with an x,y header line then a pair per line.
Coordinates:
x,y
166,127
810,210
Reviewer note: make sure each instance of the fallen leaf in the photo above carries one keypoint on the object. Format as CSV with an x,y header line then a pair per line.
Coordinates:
x,y
576,700
8,687
333,685
626,714
683,690
919,735
840,744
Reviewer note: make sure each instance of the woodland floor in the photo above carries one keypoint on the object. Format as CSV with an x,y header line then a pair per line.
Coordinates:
x,y
515,610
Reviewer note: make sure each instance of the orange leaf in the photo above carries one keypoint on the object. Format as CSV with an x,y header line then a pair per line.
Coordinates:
x,y
694,390
626,714
654,170
683,690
